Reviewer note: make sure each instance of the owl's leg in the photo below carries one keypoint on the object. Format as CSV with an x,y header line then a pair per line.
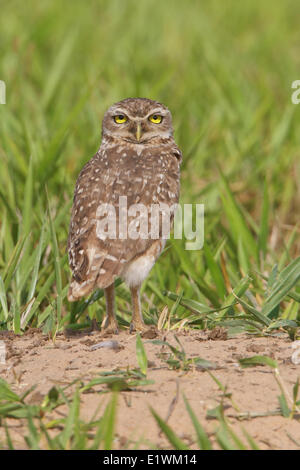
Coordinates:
x,y
137,322
110,323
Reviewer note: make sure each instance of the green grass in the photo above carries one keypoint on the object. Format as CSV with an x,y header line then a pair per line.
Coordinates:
x,y
225,71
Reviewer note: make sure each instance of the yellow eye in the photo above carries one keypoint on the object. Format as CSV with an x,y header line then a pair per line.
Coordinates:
x,y
120,118
156,118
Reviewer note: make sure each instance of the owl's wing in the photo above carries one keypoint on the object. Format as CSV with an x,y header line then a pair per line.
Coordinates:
x,y
97,261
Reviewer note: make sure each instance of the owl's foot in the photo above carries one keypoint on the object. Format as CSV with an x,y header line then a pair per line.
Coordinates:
x,y
137,326
110,326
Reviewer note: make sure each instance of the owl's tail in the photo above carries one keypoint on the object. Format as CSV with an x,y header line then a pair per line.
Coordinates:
x,y
78,290
101,273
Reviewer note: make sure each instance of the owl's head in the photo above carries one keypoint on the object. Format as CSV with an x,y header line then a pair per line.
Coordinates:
x,y
137,120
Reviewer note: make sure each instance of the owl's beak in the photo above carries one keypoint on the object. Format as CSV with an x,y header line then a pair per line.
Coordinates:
x,y
138,133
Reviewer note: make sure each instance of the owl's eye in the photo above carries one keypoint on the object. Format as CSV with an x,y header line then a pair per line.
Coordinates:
x,y
156,118
120,118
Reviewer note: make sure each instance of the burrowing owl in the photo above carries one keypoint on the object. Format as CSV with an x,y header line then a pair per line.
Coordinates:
x,y
138,163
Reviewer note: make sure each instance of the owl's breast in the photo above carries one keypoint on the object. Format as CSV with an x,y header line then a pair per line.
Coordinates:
x,y
146,174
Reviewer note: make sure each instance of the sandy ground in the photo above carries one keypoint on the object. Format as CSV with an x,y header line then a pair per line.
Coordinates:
x,y
34,359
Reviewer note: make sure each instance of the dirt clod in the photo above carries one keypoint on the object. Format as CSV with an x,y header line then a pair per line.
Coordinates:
x,y
256,348
217,334
150,333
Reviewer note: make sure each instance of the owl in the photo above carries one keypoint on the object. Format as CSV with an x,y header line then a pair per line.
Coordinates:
x,y
138,163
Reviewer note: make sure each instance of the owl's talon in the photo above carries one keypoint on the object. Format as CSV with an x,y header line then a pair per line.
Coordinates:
x,y
112,330
109,327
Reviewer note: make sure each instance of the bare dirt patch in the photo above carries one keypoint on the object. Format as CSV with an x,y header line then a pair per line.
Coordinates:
x,y
33,359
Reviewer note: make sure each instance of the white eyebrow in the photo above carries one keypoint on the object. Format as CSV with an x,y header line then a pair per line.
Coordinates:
x,y
119,111
116,111
163,112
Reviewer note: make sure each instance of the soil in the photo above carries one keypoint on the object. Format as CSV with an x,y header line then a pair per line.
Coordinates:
x,y
33,359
